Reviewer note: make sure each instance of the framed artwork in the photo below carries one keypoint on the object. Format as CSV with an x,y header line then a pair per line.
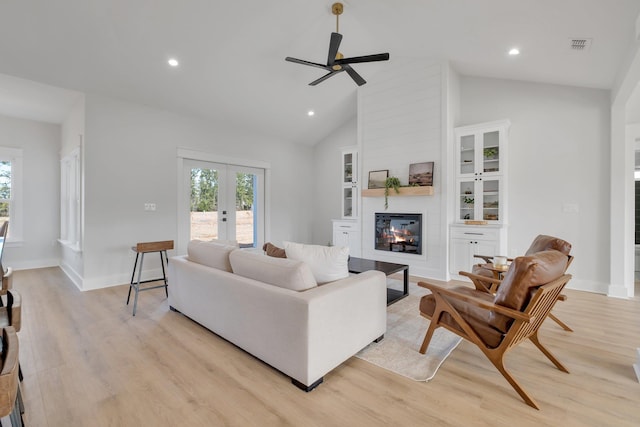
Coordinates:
x,y
421,174
377,178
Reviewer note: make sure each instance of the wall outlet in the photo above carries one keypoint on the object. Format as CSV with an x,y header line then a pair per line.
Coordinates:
x,y
570,208
149,206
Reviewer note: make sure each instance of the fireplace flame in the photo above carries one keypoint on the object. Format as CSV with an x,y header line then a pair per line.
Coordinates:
x,y
397,236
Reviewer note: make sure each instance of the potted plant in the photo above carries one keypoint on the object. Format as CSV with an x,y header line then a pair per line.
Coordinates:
x,y
390,182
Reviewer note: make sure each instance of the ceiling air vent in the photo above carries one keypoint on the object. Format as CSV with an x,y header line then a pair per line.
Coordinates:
x,y
580,45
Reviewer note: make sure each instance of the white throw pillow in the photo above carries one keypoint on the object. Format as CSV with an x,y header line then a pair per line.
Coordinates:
x,y
211,254
328,263
282,272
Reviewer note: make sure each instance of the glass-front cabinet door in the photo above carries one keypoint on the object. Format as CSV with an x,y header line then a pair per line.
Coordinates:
x,y
491,199
481,172
349,180
467,198
467,155
491,152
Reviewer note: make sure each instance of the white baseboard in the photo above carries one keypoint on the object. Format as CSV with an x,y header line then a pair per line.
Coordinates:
x,y
618,291
587,285
72,275
33,264
117,279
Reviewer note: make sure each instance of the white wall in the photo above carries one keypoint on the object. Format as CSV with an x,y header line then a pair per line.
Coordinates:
x,y
130,159
558,155
401,119
327,179
41,180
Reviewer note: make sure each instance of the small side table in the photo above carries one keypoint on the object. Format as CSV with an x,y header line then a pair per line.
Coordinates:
x,y
141,249
498,270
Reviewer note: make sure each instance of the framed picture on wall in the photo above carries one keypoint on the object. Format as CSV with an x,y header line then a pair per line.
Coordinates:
x,y
377,178
421,174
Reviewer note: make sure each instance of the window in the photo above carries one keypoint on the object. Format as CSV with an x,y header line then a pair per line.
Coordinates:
x,y
11,191
70,200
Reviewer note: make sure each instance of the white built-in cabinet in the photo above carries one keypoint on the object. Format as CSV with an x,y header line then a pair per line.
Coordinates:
x,y
480,221
467,241
350,187
481,163
347,233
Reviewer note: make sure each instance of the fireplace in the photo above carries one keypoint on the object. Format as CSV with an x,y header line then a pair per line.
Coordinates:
x,y
399,232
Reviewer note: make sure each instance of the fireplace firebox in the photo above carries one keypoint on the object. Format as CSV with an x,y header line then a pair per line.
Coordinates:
x,y
399,232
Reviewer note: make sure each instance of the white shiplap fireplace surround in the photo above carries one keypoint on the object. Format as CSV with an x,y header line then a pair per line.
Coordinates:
x,y
402,119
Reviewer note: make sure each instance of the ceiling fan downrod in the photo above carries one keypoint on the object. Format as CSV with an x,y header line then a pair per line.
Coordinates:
x,y
337,10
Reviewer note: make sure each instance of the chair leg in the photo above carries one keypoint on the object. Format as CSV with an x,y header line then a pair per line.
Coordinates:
x,y
499,364
560,322
133,275
428,335
164,274
534,338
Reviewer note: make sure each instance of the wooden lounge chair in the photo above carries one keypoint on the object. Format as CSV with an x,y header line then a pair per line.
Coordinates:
x,y
540,243
497,323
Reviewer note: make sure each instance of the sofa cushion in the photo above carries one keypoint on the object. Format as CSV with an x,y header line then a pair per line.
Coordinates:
x,y
478,318
328,263
274,251
212,254
524,275
282,272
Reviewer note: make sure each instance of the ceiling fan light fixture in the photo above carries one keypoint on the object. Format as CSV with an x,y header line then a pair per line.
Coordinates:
x,y
311,113
514,51
336,62
173,62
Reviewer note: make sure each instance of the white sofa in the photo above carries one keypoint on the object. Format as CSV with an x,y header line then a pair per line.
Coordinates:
x,y
247,299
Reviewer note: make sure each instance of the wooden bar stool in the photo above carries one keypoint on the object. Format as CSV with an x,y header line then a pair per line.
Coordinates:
x,y
141,249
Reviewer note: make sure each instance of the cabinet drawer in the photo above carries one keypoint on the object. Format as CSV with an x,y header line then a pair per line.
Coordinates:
x,y
345,226
475,233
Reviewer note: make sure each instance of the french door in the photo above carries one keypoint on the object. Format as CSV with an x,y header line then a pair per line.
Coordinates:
x,y
222,201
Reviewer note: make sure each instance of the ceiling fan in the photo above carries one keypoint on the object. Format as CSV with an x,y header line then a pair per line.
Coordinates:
x,y
336,62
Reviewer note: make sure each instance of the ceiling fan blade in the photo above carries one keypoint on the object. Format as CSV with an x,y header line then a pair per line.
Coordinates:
x,y
355,76
323,78
366,58
300,61
334,45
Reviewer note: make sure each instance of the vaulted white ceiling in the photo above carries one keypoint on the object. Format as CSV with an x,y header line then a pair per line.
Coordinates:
x,y
232,52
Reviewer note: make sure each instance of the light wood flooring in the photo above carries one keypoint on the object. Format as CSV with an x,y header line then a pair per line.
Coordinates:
x,y
88,362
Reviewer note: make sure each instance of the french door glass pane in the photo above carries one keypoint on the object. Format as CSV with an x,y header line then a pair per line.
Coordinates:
x,y
5,189
246,229
203,205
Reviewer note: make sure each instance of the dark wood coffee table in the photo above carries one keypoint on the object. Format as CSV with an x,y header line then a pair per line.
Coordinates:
x,y
360,265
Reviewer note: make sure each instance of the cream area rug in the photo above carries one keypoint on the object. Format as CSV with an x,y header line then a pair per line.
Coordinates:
x,y
399,350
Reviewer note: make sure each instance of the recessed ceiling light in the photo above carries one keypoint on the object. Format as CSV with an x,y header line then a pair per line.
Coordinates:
x,y
514,51
311,113
173,62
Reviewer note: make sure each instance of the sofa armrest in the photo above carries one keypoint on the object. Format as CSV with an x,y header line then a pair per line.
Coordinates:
x,y
344,317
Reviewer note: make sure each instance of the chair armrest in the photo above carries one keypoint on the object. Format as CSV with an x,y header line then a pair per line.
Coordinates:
x,y
449,293
486,258
479,282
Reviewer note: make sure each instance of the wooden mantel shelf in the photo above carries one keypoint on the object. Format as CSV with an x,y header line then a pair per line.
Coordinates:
x,y
404,191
